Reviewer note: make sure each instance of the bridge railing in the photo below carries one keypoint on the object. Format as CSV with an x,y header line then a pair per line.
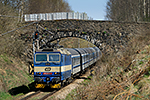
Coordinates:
x,y
56,16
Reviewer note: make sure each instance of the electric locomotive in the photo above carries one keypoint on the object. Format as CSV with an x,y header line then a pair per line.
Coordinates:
x,y
54,67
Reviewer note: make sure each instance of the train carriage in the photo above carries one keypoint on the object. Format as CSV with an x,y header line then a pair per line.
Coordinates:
x,y
82,57
75,56
55,66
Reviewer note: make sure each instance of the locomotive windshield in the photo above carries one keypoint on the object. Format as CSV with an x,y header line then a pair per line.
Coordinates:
x,y
51,57
41,57
54,57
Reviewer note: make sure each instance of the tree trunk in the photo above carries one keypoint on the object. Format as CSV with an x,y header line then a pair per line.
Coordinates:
x,y
144,4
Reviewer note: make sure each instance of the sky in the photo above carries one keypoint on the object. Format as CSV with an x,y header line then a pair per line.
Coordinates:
x,y
94,8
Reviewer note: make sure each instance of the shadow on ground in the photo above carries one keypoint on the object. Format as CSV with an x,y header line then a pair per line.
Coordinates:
x,y
26,89
31,87
22,89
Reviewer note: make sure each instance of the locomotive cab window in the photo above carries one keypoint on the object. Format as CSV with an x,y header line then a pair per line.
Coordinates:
x,y
41,57
54,57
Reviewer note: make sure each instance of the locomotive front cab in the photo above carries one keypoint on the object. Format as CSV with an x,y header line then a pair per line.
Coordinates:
x,y
47,67
51,68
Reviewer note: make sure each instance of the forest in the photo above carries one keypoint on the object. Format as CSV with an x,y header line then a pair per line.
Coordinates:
x,y
21,7
37,6
12,11
116,10
128,10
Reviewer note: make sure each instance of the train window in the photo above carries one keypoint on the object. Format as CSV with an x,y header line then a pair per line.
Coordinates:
x,y
41,57
78,60
86,57
83,60
73,60
54,57
91,55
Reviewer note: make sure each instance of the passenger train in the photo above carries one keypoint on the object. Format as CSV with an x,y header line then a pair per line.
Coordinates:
x,y
56,67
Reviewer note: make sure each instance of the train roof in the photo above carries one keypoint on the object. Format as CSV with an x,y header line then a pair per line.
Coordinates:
x,y
61,50
81,50
72,51
69,51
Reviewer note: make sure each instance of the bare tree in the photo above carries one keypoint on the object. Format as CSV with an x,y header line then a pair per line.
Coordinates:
x,y
47,6
128,10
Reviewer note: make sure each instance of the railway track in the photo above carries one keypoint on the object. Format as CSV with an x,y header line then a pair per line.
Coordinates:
x,y
30,96
44,94
47,95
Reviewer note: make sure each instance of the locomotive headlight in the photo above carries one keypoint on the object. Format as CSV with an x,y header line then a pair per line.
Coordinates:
x,y
39,73
47,79
55,72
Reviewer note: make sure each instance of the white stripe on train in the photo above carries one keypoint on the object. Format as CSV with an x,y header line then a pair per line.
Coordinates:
x,y
53,68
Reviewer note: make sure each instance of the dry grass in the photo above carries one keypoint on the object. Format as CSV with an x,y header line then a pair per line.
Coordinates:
x,y
73,42
121,76
7,23
13,70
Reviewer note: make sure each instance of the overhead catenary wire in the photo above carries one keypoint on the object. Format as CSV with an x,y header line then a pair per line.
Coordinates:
x,y
45,29
19,28
9,16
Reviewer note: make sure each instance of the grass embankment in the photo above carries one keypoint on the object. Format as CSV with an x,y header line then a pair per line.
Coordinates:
x,y
14,73
125,75
13,68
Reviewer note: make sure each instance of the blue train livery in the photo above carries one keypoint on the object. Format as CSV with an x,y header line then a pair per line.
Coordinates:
x,y
55,67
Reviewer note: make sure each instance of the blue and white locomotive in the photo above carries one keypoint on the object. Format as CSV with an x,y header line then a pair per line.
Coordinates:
x,y
55,67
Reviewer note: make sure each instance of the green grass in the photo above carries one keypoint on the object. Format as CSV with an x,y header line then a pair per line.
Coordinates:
x,y
13,74
6,58
5,96
146,76
71,94
143,52
141,62
104,32
35,98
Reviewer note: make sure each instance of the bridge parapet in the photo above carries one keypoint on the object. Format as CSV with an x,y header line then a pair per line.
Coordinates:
x,y
56,16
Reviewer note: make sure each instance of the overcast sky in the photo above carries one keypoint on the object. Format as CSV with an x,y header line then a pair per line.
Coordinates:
x,y
94,8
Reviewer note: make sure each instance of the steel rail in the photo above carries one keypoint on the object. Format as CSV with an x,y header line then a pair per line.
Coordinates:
x,y
31,95
47,95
